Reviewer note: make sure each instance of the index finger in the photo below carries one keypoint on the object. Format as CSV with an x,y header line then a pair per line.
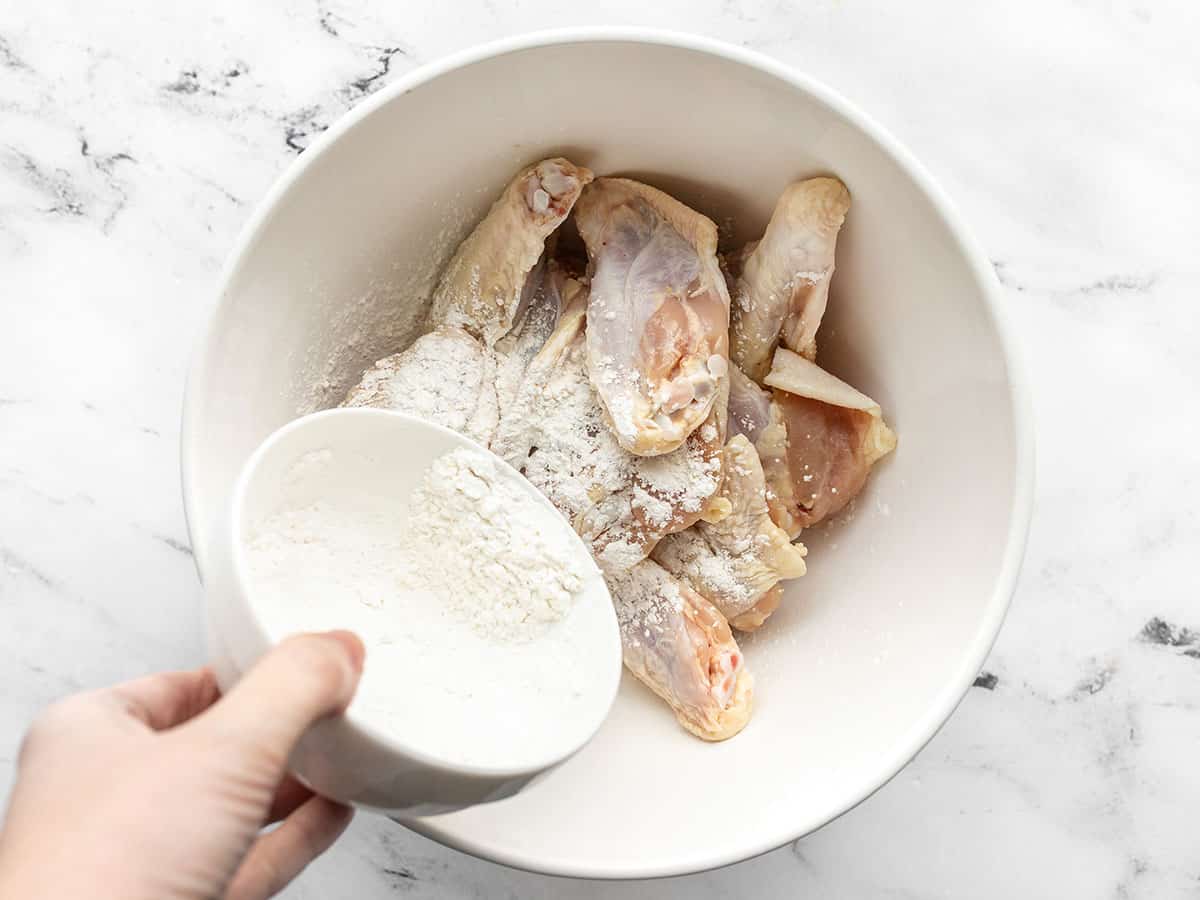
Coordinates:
x,y
150,703
305,678
166,699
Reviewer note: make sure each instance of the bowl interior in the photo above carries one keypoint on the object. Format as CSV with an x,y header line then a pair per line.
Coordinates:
x,y
873,648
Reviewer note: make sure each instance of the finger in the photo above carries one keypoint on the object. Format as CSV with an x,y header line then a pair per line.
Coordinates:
x,y
153,702
302,680
280,855
289,796
166,699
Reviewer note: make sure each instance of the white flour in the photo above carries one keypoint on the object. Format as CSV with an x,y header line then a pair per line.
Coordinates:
x,y
464,590
521,572
386,313
557,436
445,376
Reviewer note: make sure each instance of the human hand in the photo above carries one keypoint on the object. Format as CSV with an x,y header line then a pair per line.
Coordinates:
x,y
157,788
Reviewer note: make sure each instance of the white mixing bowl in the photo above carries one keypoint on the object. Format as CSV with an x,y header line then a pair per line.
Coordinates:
x,y
873,649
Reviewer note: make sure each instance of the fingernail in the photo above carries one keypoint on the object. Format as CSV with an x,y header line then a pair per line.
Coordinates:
x,y
353,646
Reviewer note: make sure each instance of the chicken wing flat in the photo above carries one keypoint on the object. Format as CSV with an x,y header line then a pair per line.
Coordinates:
x,y
680,646
658,313
780,288
482,288
821,444
445,376
735,562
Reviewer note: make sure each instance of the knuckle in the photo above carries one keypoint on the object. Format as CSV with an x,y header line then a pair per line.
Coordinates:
x,y
316,664
267,760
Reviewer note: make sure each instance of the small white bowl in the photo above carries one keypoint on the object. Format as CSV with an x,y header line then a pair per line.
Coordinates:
x,y
354,757
872,650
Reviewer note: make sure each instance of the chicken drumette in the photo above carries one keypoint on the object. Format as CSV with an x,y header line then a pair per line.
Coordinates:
x,y
780,285
486,284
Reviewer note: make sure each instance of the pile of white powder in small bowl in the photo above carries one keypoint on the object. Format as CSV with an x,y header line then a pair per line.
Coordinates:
x,y
464,590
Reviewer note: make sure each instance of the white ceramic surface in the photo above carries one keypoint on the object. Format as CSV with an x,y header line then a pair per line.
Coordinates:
x,y
131,158
353,757
878,643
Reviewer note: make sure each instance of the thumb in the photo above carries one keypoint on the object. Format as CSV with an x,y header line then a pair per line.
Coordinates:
x,y
305,678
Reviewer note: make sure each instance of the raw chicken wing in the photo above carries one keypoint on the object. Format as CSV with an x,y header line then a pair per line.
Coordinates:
x,y
680,646
483,286
823,439
446,377
658,313
556,435
737,562
780,288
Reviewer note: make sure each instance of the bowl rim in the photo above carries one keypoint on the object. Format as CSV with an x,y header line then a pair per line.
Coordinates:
x,y
924,729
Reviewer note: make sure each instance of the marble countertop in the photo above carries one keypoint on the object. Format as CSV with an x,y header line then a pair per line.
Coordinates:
x,y
136,137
